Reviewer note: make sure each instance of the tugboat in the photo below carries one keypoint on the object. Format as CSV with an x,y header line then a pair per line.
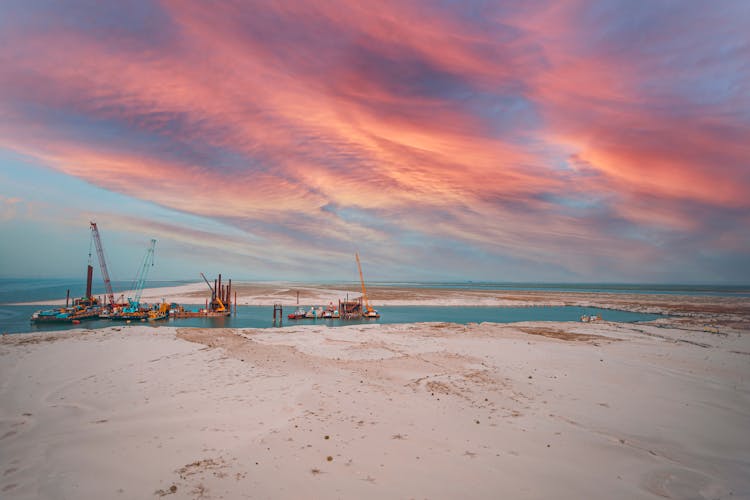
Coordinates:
x,y
300,313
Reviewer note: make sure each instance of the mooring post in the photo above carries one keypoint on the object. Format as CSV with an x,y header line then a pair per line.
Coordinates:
x,y
278,307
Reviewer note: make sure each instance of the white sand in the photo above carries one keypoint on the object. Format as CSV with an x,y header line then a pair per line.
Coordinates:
x,y
410,411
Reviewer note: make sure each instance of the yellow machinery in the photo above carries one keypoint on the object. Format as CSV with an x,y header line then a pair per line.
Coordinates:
x,y
220,307
161,313
369,311
216,304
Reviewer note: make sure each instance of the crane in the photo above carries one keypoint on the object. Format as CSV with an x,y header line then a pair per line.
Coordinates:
x,y
148,261
102,263
216,303
369,311
213,293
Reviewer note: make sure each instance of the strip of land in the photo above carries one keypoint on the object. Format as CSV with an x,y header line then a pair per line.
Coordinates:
x,y
429,410
719,308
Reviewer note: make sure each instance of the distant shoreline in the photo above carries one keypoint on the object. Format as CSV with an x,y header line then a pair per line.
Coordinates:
x,y
289,294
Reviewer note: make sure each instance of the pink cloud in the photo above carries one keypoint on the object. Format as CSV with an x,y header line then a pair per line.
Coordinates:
x,y
401,114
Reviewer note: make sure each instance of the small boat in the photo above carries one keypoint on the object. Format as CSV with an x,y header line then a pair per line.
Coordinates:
x,y
591,318
298,314
371,314
331,312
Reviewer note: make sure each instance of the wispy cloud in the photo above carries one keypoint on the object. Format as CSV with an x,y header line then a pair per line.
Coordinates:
x,y
577,136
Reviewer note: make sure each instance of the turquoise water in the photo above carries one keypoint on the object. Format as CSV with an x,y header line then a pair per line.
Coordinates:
x,y
15,319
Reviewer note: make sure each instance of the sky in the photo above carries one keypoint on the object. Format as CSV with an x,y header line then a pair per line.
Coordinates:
x,y
549,141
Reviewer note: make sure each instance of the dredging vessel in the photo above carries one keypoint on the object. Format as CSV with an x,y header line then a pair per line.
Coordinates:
x,y
219,306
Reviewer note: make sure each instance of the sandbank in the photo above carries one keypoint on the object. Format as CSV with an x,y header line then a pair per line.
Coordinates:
x,y
429,410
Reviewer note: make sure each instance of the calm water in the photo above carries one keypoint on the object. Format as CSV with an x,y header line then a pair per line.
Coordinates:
x,y
15,319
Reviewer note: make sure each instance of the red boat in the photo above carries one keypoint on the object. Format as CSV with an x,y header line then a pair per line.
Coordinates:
x,y
298,314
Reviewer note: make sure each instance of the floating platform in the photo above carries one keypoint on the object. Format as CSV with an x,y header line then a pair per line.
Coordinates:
x,y
82,309
200,314
63,315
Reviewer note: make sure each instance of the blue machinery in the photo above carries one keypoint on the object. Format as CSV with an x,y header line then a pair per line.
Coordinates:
x,y
148,262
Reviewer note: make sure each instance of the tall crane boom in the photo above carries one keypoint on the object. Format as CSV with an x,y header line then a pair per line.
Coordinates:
x,y
102,263
362,279
213,292
148,261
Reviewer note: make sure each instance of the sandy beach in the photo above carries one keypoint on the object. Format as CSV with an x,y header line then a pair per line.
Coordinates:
x,y
427,410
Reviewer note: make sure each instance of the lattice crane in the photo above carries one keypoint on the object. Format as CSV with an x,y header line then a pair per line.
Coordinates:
x,y
369,311
148,262
102,263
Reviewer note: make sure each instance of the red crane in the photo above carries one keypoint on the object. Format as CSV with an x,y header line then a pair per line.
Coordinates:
x,y
102,263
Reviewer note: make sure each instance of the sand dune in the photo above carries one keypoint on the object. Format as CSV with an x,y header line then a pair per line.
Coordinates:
x,y
434,410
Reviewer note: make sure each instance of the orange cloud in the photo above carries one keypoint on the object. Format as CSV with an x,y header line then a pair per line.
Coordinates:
x,y
551,135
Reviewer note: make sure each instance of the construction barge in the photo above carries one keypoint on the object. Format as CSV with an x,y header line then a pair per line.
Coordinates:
x,y
219,306
90,307
82,309
86,307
